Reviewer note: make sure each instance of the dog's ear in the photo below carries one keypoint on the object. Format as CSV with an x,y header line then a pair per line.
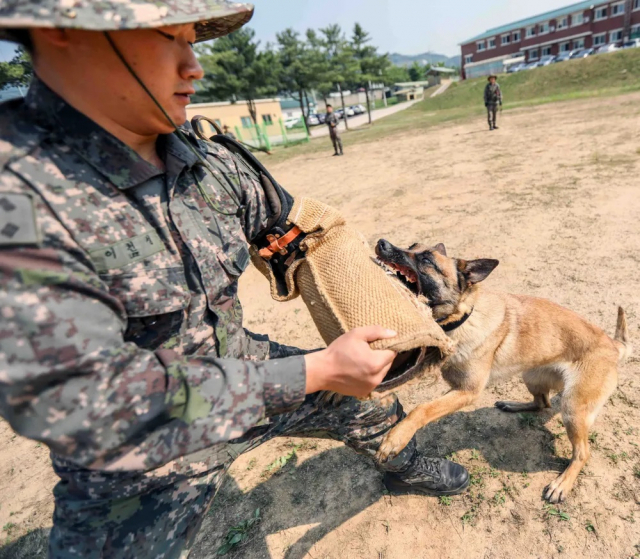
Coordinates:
x,y
441,249
474,271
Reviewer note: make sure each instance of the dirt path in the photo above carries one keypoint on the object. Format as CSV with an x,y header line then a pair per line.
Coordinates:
x,y
554,195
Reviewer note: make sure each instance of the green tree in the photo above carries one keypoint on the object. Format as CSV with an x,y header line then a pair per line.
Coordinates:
x,y
18,72
416,72
303,66
343,66
396,74
235,69
372,65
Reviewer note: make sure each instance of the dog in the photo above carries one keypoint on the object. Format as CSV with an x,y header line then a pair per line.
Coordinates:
x,y
499,335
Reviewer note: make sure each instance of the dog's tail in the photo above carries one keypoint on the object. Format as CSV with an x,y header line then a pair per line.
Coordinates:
x,y
622,335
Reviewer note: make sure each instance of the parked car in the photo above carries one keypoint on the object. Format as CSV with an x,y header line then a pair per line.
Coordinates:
x,y
513,68
531,65
611,47
583,53
339,113
632,44
313,120
546,60
566,55
357,109
292,121
322,117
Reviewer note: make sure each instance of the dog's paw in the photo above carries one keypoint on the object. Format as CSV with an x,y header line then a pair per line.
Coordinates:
x,y
394,443
557,490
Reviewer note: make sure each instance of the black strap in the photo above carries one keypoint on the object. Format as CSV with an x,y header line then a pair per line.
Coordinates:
x,y
453,325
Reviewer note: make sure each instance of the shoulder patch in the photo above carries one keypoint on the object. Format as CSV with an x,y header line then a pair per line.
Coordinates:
x,y
17,220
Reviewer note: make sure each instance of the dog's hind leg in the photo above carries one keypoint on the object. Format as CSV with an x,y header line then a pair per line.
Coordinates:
x,y
581,403
539,382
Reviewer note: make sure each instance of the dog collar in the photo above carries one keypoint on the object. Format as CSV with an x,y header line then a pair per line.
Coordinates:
x,y
456,324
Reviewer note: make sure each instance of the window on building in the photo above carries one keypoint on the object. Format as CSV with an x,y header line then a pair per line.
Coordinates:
x,y
601,13
481,46
246,122
492,43
531,31
635,32
617,9
563,22
599,40
636,5
516,35
544,28
533,54
564,47
546,51
577,19
506,39
267,120
615,36
578,44
468,59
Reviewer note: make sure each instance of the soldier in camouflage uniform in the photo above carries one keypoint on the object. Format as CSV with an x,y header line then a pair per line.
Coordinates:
x,y
492,98
121,243
332,121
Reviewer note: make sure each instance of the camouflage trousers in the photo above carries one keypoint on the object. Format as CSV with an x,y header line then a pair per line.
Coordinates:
x,y
157,514
336,140
492,111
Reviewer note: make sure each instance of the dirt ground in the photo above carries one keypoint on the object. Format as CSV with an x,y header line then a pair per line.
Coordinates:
x,y
554,196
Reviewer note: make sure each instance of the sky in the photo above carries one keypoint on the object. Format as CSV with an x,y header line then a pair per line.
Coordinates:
x,y
402,26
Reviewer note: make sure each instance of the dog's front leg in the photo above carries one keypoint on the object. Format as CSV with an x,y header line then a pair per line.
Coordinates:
x,y
403,432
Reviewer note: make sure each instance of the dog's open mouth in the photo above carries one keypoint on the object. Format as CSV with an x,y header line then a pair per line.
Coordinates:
x,y
407,364
405,274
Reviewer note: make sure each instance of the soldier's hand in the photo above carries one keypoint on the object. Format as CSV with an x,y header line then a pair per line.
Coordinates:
x,y
349,366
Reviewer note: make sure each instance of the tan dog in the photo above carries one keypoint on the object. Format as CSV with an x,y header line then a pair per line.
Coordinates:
x,y
499,335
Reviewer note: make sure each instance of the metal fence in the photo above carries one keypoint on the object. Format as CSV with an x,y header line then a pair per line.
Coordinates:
x,y
265,136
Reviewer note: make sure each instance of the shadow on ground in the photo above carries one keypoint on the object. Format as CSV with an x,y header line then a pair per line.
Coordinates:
x,y
315,497
30,546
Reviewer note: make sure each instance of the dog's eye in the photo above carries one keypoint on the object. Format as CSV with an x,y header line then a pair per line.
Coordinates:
x,y
424,259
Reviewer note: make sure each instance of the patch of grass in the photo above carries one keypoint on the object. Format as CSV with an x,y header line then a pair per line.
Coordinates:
x,y
590,527
252,464
593,439
279,463
444,500
499,498
528,420
552,511
475,455
238,535
470,516
636,471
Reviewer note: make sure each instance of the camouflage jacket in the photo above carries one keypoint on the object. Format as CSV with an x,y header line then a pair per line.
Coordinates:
x,y
121,339
492,94
332,121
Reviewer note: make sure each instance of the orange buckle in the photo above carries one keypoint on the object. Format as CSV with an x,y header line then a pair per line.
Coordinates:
x,y
279,244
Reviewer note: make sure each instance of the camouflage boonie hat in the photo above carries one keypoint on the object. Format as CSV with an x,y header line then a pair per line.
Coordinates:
x,y
213,18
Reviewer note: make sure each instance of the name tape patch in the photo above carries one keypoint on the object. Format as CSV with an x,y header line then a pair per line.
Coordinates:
x,y
127,251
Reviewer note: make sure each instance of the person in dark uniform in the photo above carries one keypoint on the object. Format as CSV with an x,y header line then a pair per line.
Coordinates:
x,y
492,98
332,122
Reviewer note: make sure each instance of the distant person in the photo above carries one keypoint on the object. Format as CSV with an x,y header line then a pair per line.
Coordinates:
x,y
227,132
492,98
332,122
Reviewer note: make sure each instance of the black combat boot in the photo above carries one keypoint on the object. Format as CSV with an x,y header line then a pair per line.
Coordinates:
x,y
428,476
